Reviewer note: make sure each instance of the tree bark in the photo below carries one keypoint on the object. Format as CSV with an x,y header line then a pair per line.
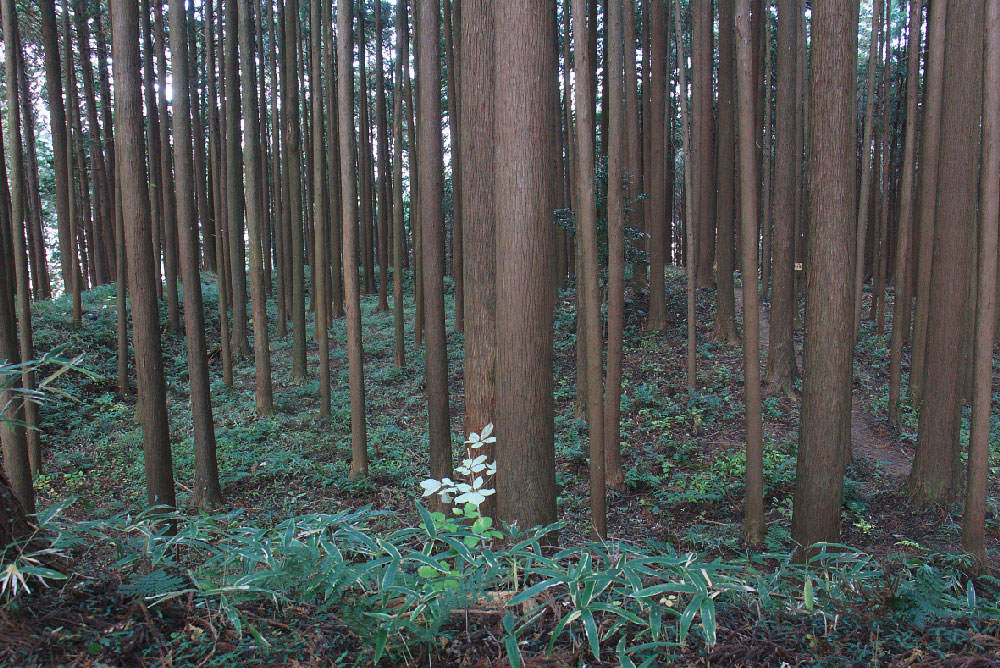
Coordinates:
x,y
658,219
825,431
701,138
936,472
352,297
526,66
135,210
725,314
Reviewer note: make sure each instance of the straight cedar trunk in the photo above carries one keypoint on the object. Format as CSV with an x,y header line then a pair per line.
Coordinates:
x,y
658,219
40,284
617,48
452,46
76,250
767,170
588,277
256,214
152,140
754,527
477,121
57,127
429,151
103,211
398,223
936,472
206,219
973,522
321,298
383,193
526,67
349,199
294,250
633,143
206,492
415,214
18,215
690,232
280,158
14,442
781,366
930,147
234,182
365,168
263,166
825,431
121,293
169,200
701,113
901,311
135,211
725,203
336,287
885,179
221,275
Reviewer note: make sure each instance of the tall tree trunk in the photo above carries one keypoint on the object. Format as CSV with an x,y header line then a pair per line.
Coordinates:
x,y
333,165
633,143
900,313
57,125
781,366
256,215
206,492
973,523
617,49
135,210
384,171
658,219
167,175
451,20
690,234
936,472
152,142
825,431
321,300
429,147
365,169
352,296
588,278
701,113
293,145
526,66
930,146
399,230
40,285
725,314
754,527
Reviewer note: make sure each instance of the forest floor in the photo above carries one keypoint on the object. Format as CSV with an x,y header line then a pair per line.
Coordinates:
x,y
684,466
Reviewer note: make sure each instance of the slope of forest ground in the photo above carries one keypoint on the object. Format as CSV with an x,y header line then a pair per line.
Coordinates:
x,y
909,604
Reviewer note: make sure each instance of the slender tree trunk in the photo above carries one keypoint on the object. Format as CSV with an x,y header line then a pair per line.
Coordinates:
x,y
206,493
384,170
691,244
936,472
57,125
754,527
616,107
415,213
429,147
766,169
40,284
121,293
399,230
352,296
973,522
725,314
295,222
256,215
333,165
900,314
781,366
930,146
135,210
321,300
658,219
526,66
825,431
701,138
152,141
365,169
451,19
633,144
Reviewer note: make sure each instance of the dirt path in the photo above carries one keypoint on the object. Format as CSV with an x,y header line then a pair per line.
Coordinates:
x,y
870,438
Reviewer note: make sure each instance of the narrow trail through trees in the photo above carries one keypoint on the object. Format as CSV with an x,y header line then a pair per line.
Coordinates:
x,y
870,438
